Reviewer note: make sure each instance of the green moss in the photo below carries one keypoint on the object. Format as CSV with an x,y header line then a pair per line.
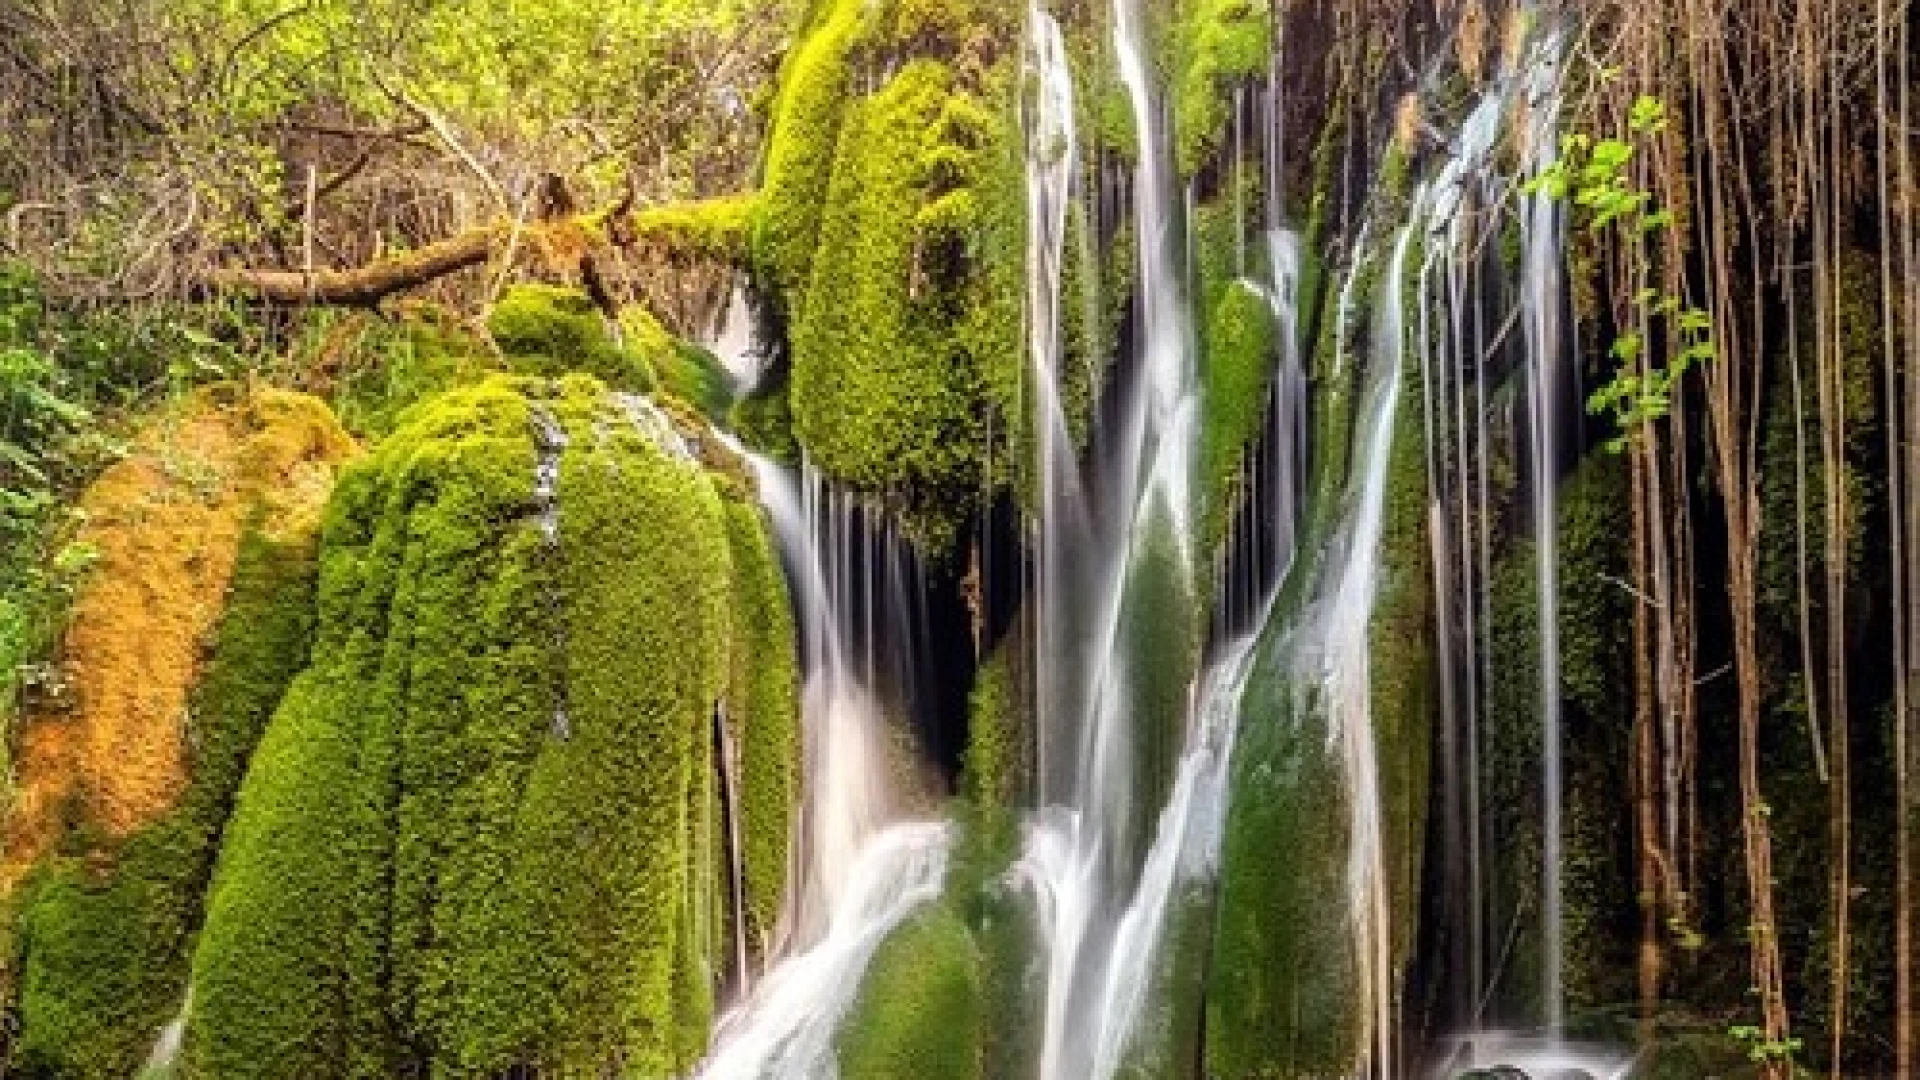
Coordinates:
x,y
710,229
465,843
919,1012
1281,992
1400,664
552,330
1218,45
815,87
104,937
763,706
680,368
1160,630
1167,1041
909,329
764,421
1241,344
995,772
397,364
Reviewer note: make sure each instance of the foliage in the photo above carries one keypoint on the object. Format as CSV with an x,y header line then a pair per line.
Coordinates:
x,y
1594,175
402,362
402,121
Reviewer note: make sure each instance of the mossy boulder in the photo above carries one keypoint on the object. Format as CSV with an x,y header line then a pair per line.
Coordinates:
x,y
551,330
1283,986
1242,341
1217,45
919,1012
680,368
889,231
223,620
476,834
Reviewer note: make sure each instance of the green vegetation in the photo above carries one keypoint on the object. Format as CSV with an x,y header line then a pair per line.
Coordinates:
x,y
550,330
1594,175
104,933
680,368
1217,46
919,1013
716,229
763,711
889,231
894,340
464,841
398,363
1242,349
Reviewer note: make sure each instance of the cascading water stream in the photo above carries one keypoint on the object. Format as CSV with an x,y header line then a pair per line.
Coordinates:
x,y
1541,291
860,871
164,1059
1084,848
1062,525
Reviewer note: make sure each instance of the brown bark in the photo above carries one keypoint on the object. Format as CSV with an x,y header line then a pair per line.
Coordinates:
x,y
365,286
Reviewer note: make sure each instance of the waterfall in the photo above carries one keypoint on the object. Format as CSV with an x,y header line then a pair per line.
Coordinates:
x,y
861,871
164,1059
733,339
1541,290
1099,883
785,1031
1061,524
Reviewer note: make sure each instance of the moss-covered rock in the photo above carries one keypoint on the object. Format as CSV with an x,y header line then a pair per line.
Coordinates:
x,y
816,84
223,621
551,330
911,315
1217,45
1241,346
763,709
764,421
465,843
680,368
919,1012
889,235
1281,993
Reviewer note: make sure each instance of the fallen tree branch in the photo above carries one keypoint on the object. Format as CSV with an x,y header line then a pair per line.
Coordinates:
x,y
713,231
365,286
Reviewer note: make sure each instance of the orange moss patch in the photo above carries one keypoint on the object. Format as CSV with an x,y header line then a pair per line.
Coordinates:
x,y
166,523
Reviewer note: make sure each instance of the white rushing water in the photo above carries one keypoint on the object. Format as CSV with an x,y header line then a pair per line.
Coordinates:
x,y
164,1059
1511,1056
1091,899
1541,322
860,871
1061,526
735,342
785,1031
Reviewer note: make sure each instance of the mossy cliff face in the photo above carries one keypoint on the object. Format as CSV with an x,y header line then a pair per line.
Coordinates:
x,y
889,227
211,524
473,834
1285,995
